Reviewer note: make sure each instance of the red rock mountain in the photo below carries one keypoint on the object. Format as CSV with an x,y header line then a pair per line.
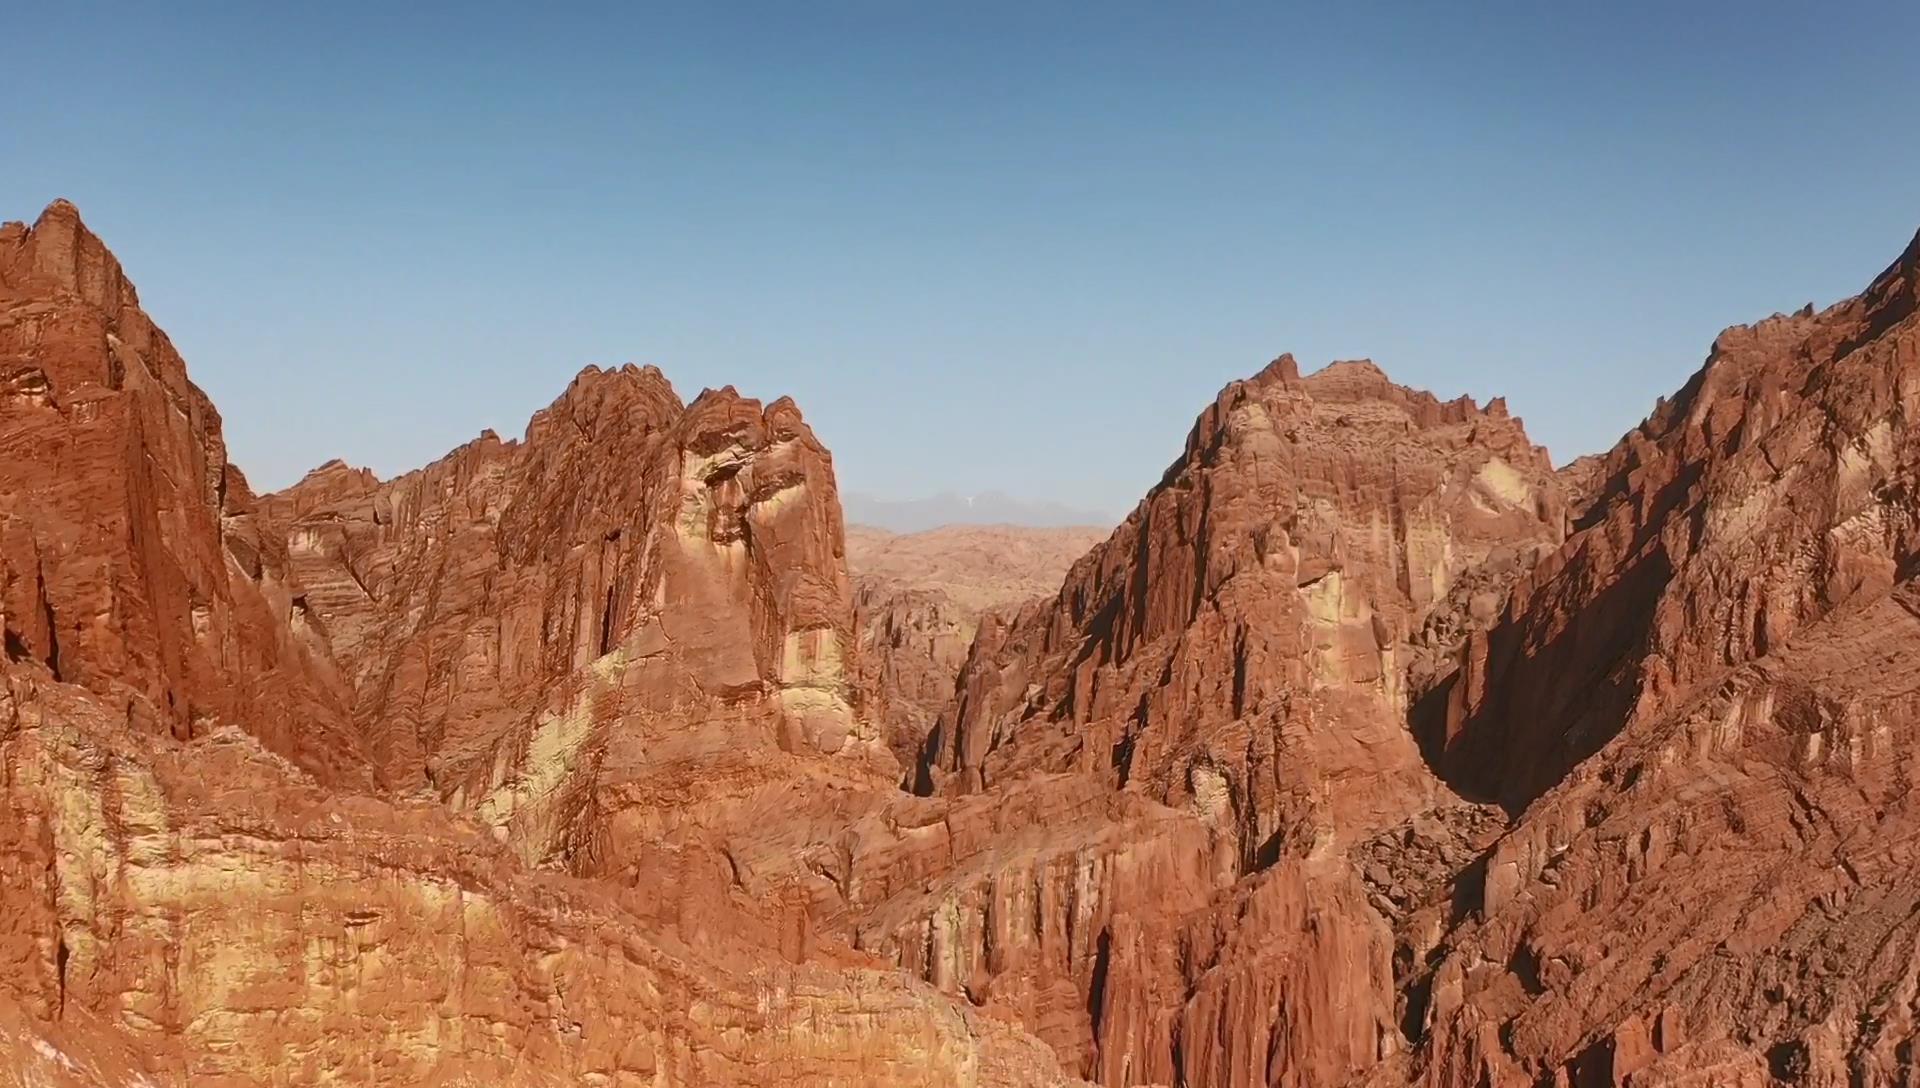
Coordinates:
x,y
1368,750
1702,708
418,782
1235,663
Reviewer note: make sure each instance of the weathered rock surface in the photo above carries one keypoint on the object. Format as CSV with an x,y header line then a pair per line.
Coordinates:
x,y
1235,659
918,602
133,561
310,790
1368,750
571,638
1702,706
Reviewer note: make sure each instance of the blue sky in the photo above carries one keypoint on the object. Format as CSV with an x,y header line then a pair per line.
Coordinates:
x,y
985,246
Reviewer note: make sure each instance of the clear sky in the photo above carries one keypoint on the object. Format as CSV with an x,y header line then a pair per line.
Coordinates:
x,y
985,246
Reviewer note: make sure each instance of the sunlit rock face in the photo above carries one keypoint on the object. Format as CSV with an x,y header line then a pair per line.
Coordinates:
x,y
133,560
429,781
1701,706
1369,750
640,603
1230,674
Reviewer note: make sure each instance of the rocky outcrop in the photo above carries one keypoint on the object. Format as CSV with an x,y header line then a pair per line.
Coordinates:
x,y
433,780
133,561
1368,750
918,602
571,636
1698,705
243,925
1280,573
1236,660
1769,491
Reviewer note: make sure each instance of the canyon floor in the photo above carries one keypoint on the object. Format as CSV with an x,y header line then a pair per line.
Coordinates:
x,y
1369,749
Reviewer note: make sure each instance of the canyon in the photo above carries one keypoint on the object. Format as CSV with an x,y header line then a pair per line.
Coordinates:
x,y
1369,749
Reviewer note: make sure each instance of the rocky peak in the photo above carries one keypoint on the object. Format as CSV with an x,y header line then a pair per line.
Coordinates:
x,y
587,678
59,254
681,562
626,397
1172,822
1758,499
1294,549
1694,709
133,562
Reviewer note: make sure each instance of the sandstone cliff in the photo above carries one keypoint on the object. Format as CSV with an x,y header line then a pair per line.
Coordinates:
x,y
133,561
1228,676
1701,707
1369,749
307,790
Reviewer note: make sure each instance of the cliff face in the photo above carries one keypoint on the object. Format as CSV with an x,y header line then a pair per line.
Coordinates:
x,y
1298,547
1368,750
1701,705
311,789
1692,858
1771,490
1231,671
573,637
133,561
231,922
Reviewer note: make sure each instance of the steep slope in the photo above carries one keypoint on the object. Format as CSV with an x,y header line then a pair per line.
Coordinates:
x,y
918,602
1369,749
1293,556
574,636
1702,703
203,881
1191,747
132,561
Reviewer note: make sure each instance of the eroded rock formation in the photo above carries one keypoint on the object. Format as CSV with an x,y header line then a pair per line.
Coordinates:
x,y
133,560
305,790
1234,663
919,599
642,604
1702,708
1368,750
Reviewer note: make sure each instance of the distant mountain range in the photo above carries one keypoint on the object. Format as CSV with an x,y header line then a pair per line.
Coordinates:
x,y
985,508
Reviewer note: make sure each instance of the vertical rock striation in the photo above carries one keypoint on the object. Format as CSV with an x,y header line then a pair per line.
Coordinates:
x,y
1234,666
314,789
1701,707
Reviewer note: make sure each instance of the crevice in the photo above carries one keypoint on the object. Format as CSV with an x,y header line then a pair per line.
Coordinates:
x,y
1097,988
1416,997
606,625
929,757
60,957
53,636
1240,672
1789,1062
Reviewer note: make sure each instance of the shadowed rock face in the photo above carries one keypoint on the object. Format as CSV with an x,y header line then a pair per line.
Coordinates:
x,y
1772,489
1702,707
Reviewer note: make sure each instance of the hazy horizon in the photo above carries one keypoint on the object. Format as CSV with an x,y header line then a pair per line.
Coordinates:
x,y
998,249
